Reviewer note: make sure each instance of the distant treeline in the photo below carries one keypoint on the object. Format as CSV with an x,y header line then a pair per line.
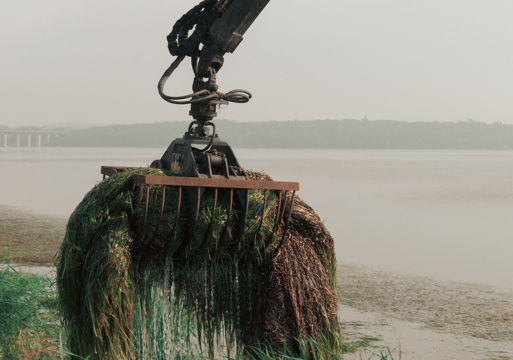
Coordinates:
x,y
320,134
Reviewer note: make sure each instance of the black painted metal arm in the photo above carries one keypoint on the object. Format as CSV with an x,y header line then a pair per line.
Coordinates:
x,y
217,27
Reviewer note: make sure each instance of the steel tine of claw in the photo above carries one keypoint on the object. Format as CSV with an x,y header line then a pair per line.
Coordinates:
x,y
207,234
261,218
284,206
195,194
276,219
161,213
287,219
172,233
225,230
145,212
281,212
139,199
244,200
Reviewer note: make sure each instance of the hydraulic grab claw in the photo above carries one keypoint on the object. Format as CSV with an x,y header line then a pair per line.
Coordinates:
x,y
206,33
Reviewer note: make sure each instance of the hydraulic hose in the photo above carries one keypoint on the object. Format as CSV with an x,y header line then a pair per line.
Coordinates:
x,y
181,45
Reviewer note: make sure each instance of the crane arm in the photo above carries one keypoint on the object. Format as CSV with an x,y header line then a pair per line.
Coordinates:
x,y
205,34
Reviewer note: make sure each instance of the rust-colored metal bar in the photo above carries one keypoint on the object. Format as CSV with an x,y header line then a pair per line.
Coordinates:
x,y
207,234
261,218
225,230
109,170
287,221
161,212
215,183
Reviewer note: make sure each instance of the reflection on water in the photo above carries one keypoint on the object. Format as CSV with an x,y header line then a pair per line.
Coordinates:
x,y
434,213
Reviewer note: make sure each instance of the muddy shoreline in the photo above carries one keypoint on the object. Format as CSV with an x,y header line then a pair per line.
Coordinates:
x,y
468,321
30,238
415,316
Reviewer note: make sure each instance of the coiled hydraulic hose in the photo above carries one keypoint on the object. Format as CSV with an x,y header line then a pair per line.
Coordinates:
x,y
182,45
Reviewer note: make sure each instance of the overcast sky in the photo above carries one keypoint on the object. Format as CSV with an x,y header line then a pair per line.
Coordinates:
x,y
99,61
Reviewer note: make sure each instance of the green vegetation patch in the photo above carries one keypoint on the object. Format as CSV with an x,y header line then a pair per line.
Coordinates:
x,y
128,291
27,315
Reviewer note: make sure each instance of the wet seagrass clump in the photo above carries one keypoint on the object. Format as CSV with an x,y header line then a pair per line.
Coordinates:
x,y
124,294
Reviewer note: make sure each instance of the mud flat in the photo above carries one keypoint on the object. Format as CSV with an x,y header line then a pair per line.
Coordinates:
x,y
414,316
30,238
424,318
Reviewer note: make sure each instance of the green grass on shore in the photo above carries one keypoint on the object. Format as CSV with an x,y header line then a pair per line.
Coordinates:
x,y
30,329
28,316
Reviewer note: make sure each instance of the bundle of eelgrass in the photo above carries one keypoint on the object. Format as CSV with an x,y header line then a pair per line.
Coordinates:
x,y
122,295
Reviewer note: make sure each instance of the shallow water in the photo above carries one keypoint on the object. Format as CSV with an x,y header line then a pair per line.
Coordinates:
x,y
435,213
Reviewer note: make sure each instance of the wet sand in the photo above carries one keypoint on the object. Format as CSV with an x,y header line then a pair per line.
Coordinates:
x,y
413,341
30,238
415,317
424,318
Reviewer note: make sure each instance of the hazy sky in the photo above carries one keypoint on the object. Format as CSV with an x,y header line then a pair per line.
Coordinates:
x,y
99,61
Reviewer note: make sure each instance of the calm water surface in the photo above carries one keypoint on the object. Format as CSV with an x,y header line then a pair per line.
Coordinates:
x,y
435,213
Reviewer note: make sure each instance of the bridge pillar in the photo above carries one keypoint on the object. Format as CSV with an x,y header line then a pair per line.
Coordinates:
x,y
17,140
48,138
39,141
28,142
5,140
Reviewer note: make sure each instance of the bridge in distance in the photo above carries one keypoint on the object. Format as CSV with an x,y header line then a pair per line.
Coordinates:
x,y
27,138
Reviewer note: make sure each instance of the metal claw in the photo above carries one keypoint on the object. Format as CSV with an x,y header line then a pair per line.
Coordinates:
x,y
207,234
261,218
225,230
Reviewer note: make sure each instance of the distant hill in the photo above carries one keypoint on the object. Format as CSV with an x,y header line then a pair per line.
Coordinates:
x,y
71,126
314,134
